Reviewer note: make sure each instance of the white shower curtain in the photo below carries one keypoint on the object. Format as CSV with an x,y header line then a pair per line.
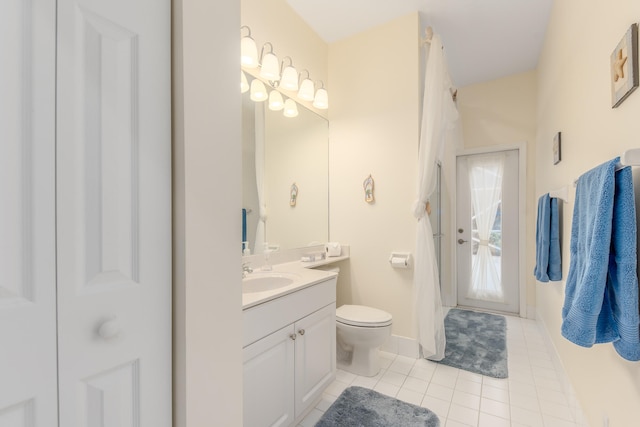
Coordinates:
x,y
259,131
485,182
438,116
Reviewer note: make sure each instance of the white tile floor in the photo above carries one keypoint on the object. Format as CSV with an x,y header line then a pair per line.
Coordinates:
x,y
532,395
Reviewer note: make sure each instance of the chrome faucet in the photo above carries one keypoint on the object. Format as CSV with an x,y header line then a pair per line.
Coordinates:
x,y
246,269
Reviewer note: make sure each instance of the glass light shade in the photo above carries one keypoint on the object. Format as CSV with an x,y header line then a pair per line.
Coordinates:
x,y
307,90
258,91
275,101
290,108
244,84
321,101
248,52
270,67
289,79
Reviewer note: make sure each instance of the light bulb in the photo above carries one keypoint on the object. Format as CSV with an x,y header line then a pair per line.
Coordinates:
x,y
289,79
248,52
275,101
290,108
307,90
270,67
321,101
258,91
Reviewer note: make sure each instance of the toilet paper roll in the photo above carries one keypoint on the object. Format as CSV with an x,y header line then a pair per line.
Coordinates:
x,y
397,262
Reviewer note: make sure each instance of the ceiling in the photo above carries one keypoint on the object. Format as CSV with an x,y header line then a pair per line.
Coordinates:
x,y
483,40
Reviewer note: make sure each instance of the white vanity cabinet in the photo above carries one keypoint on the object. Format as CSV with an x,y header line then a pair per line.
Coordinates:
x,y
289,355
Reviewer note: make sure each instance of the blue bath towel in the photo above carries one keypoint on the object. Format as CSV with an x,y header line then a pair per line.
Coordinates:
x,y
619,316
601,295
548,258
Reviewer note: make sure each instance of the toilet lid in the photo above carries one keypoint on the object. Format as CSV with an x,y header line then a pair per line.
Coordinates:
x,y
360,315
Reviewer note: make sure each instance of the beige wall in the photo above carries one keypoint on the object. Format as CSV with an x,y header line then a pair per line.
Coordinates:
x,y
499,112
574,98
207,162
374,130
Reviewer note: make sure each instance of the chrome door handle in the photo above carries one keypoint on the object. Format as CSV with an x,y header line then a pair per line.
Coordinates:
x,y
461,241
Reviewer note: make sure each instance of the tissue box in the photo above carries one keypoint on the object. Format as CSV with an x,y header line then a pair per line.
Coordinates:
x,y
333,249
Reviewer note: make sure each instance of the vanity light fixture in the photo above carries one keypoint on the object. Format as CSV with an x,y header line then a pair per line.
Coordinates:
x,y
289,80
307,89
275,101
258,91
270,66
248,50
290,108
321,100
244,83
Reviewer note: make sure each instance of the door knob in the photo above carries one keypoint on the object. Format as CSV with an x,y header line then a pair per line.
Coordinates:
x,y
293,336
301,331
461,241
109,328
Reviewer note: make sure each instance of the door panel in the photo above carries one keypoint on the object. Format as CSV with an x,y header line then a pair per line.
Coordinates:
x,y
502,241
114,242
28,383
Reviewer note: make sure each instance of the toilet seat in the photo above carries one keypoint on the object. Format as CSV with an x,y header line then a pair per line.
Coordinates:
x,y
362,316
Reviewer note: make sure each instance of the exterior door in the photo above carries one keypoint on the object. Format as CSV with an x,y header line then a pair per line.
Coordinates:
x,y
113,213
28,373
487,237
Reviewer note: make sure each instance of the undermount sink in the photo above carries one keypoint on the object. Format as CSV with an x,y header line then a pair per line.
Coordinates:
x,y
267,281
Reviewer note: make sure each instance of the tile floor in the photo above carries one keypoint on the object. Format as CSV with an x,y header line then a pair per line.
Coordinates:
x,y
531,396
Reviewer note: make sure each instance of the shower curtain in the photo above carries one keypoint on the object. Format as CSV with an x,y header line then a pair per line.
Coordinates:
x,y
262,220
439,114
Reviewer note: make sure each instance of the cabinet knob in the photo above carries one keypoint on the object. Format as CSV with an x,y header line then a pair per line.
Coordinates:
x,y
293,336
301,331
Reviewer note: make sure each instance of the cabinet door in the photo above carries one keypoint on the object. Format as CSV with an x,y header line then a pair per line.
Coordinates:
x,y
315,355
28,371
268,380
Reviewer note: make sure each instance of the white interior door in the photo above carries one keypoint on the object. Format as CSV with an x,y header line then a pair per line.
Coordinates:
x,y
28,384
487,238
113,213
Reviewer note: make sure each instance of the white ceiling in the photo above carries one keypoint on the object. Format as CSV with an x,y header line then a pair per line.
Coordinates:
x,y
483,40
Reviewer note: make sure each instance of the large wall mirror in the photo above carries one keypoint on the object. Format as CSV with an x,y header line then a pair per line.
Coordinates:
x,y
279,152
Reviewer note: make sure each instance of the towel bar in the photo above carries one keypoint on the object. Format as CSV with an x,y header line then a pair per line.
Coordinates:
x,y
629,157
561,193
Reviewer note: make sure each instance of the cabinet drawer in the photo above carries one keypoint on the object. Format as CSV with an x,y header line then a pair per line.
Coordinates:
x,y
263,319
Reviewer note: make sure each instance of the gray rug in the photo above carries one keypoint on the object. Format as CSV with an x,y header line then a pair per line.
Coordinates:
x,y
476,342
362,407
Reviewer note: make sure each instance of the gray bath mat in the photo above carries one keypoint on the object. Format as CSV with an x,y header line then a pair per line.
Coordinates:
x,y
476,342
362,407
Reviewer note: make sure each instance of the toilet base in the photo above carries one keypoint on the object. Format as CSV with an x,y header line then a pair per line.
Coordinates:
x,y
364,363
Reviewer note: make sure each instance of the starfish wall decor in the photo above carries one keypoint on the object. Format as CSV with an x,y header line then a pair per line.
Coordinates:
x,y
624,67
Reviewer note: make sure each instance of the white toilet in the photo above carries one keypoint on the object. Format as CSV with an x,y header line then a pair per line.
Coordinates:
x,y
361,331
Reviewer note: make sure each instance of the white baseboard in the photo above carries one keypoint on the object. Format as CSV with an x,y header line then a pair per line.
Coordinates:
x,y
402,346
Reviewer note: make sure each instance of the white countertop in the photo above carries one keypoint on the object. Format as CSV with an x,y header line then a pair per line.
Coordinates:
x,y
306,276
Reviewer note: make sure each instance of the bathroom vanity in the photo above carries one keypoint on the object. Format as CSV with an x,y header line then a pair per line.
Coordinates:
x,y
289,340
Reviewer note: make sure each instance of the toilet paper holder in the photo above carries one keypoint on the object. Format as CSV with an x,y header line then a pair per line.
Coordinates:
x,y
400,259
